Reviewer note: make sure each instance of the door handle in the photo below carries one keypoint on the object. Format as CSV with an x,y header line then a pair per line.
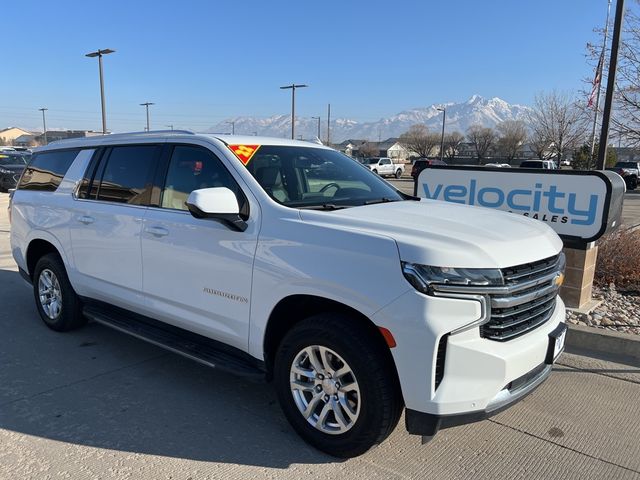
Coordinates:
x,y
157,231
86,219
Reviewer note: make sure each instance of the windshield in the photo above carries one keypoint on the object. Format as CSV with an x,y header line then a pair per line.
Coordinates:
x,y
626,165
315,177
14,159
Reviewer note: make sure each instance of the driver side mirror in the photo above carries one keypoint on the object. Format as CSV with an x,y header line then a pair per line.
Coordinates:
x,y
217,203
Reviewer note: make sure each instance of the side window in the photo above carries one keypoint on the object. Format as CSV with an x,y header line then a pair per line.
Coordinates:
x,y
385,161
192,168
47,169
127,173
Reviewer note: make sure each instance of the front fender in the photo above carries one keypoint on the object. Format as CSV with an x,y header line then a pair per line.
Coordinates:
x,y
359,270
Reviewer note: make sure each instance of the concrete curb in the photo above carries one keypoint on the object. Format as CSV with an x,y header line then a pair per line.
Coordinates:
x,y
603,341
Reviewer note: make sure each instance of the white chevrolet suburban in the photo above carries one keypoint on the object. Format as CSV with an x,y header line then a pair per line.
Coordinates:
x,y
291,262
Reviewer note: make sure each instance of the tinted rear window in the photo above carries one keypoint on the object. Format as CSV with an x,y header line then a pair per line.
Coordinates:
x,y
127,174
14,159
531,165
47,169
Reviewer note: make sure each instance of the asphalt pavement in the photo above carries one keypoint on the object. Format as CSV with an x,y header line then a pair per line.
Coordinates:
x,y
98,404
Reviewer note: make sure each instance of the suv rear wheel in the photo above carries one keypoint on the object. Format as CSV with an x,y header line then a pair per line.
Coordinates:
x,y
58,305
335,385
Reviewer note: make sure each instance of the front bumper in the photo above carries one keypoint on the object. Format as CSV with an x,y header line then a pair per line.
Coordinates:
x,y
478,375
427,424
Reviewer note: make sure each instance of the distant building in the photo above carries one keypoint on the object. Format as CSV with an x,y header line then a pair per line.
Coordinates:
x,y
55,135
390,147
8,135
627,154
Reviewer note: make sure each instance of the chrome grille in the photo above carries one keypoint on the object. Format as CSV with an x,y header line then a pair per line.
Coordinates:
x,y
527,300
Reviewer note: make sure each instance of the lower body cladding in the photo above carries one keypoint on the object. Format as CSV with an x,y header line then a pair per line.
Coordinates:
x,y
450,379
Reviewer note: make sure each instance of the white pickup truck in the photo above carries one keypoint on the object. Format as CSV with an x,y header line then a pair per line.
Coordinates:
x,y
384,166
288,261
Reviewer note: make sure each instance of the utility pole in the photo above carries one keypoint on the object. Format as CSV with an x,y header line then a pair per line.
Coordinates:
x,y
328,124
233,127
170,126
99,54
611,83
317,118
146,105
599,73
444,119
293,87
44,124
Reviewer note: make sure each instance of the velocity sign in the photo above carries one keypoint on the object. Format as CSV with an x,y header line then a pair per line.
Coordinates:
x,y
577,205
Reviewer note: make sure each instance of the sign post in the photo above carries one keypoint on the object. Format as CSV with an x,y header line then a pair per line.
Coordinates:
x,y
580,206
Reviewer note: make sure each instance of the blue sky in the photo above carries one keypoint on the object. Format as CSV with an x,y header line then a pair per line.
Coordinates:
x,y
204,61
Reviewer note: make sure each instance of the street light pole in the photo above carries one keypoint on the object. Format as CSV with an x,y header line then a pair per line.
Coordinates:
x,y
99,54
328,124
44,124
444,118
611,85
233,127
146,105
170,126
317,118
293,87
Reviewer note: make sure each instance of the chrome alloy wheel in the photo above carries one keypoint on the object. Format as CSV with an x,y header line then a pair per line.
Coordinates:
x,y
50,294
325,389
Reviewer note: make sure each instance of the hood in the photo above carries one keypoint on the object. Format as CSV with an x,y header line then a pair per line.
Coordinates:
x,y
446,234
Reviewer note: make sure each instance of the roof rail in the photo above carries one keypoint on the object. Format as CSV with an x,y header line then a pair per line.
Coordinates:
x,y
124,134
152,132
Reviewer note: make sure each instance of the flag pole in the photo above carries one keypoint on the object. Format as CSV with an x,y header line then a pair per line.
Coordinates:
x,y
599,78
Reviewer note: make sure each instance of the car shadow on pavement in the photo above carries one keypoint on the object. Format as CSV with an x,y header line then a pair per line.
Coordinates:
x,y
99,388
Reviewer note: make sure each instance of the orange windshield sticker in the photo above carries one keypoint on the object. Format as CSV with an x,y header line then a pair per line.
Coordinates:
x,y
244,152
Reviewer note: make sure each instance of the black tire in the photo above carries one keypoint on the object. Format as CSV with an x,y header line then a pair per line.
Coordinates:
x,y
379,397
633,183
69,315
398,173
375,171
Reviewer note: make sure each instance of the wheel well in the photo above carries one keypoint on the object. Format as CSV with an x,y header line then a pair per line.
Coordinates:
x,y
36,250
291,310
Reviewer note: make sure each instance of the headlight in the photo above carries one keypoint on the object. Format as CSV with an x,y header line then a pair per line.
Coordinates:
x,y
4,170
422,277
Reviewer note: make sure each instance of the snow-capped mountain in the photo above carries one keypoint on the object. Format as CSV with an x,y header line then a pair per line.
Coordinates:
x,y
476,110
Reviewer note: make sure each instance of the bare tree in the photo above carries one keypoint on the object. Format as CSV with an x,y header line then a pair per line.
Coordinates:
x,y
625,115
556,119
419,140
513,134
452,143
482,138
368,149
540,145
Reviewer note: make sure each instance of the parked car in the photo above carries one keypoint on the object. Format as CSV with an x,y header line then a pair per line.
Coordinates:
x,y
385,167
544,164
629,171
422,163
355,299
12,165
498,165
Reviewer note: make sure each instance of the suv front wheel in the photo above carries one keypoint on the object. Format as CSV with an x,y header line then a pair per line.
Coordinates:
x,y
57,302
336,386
